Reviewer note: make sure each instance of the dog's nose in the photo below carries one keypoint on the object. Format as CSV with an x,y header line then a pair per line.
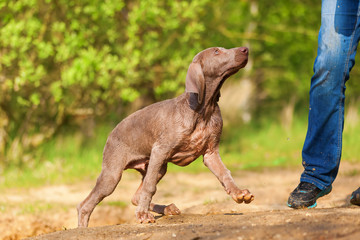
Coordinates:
x,y
244,50
241,54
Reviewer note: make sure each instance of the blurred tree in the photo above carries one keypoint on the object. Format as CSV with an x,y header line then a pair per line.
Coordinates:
x,y
284,53
288,54
282,37
63,61
64,58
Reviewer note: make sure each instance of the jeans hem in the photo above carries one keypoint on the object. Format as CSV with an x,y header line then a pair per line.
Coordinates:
x,y
314,181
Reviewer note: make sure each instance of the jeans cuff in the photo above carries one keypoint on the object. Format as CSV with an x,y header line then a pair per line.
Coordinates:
x,y
314,181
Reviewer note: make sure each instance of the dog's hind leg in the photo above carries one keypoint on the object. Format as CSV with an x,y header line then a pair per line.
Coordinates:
x,y
170,209
105,185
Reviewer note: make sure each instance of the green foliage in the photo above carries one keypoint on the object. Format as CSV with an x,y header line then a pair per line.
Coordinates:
x,y
119,204
287,56
62,60
67,158
67,62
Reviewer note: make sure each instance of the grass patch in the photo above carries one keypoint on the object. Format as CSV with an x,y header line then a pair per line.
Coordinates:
x,y
120,204
31,208
68,158
263,145
35,208
210,201
352,173
3,207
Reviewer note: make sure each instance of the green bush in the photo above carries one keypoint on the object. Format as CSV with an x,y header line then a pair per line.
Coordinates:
x,y
69,62
65,60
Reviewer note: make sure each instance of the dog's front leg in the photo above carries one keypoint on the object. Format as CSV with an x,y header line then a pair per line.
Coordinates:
x,y
213,161
148,189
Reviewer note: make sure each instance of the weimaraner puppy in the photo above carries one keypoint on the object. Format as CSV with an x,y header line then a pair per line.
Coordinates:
x,y
176,130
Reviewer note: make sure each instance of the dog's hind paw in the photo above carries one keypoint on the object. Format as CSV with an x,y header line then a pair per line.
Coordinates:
x,y
171,210
145,217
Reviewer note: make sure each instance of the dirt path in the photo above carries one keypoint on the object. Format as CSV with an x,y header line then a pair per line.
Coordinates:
x,y
207,212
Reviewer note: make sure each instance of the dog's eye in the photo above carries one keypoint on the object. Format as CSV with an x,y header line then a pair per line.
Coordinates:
x,y
216,51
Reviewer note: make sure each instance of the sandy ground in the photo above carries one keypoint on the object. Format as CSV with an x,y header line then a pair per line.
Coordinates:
x,y
207,212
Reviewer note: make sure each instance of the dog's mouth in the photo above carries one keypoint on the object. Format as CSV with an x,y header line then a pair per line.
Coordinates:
x,y
233,70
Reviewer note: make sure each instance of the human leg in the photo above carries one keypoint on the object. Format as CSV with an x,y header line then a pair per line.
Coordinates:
x,y
337,43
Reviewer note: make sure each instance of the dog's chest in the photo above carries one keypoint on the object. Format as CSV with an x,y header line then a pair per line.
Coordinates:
x,y
204,137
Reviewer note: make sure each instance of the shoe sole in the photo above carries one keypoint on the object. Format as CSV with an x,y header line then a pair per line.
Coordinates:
x,y
309,207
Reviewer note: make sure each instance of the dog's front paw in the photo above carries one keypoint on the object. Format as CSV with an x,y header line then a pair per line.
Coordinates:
x,y
171,210
145,217
242,196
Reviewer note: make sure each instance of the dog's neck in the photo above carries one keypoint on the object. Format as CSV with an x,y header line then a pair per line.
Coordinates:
x,y
212,91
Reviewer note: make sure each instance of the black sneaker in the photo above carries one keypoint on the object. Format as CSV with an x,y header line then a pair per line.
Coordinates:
x,y
305,195
355,197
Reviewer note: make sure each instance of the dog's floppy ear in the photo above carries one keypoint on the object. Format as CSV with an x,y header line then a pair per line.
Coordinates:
x,y
195,81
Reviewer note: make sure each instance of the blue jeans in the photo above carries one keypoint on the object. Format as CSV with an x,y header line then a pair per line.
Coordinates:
x,y
337,42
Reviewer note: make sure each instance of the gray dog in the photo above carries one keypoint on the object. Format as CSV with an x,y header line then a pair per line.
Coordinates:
x,y
176,130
